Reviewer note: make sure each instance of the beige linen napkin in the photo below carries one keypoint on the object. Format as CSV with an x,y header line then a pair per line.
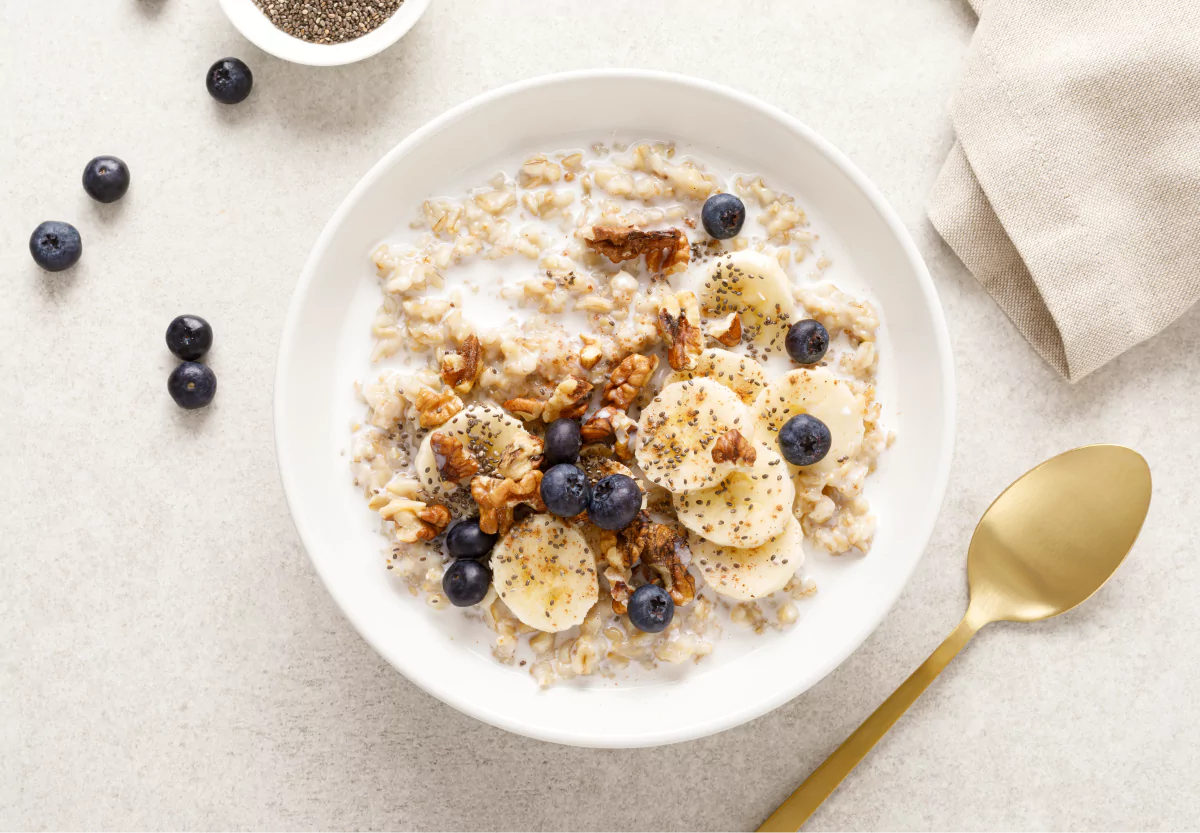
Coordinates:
x,y
1073,190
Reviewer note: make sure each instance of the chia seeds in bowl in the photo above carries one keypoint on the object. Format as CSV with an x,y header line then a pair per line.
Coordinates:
x,y
328,21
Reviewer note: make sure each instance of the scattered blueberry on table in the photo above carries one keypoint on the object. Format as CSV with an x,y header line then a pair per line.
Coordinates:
x,y
723,216
55,246
563,442
229,81
106,179
651,608
192,385
616,501
806,341
466,582
565,490
804,440
466,540
189,337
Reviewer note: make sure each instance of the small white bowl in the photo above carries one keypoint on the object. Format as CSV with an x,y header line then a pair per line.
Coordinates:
x,y
325,348
260,31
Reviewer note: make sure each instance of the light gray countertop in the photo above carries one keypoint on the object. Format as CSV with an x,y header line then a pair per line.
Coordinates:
x,y
170,658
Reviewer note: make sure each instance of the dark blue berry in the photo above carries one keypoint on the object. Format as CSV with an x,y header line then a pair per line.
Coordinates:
x,y
806,341
466,540
804,440
55,246
565,490
106,179
651,608
466,582
562,442
229,81
189,337
616,501
192,385
723,215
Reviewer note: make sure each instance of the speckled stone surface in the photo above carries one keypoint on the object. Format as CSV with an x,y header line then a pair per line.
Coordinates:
x,y
170,659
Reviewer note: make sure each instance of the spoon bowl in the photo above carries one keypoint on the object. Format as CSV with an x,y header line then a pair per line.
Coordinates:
x,y
1056,535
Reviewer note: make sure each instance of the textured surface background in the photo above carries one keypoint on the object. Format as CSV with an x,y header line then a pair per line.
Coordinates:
x,y
169,658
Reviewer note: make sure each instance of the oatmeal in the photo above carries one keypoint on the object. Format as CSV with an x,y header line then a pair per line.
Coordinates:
x,y
620,418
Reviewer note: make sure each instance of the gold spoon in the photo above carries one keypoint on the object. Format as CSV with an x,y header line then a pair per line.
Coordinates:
x,y
1051,540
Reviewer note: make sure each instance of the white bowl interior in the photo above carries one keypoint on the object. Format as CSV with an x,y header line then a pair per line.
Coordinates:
x,y
255,26
328,320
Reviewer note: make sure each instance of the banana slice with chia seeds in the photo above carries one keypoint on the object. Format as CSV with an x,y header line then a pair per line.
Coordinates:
x,y
746,509
820,393
545,572
746,574
677,431
484,431
753,285
741,374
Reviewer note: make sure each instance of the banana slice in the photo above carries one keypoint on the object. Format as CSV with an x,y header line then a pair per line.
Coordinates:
x,y
484,430
746,509
751,573
677,431
546,573
741,374
815,392
753,285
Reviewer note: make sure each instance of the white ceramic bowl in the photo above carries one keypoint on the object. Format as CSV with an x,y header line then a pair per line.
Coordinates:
x,y
255,26
326,341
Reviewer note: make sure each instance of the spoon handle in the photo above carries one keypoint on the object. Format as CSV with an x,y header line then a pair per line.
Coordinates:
x,y
805,800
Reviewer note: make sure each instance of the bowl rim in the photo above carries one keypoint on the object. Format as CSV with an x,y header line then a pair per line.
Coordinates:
x,y
945,366
289,48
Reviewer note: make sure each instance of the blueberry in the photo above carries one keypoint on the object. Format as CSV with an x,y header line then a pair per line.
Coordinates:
x,y
651,608
804,440
565,490
189,337
466,540
229,81
106,179
723,215
616,501
466,582
807,341
192,385
562,442
55,246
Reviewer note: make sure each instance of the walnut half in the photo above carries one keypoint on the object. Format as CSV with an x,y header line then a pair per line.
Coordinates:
x,y
461,369
732,447
415,520
627,379
435,407
570,399
659,548
666,250
679,325
498,497
454,463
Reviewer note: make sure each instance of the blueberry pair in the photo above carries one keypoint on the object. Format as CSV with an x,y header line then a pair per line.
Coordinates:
x,y
192,385
56,245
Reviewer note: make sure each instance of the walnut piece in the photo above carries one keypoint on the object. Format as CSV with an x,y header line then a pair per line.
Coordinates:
x,y
570,399
679,325
727,330
454,463
590,356
666,251
524,407
521,456
732,447
610,424
498,497
627,379
618,569
461,369
435,407
660,548
415,520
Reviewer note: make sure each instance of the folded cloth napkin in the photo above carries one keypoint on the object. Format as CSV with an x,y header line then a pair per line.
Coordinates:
x,y
1073,190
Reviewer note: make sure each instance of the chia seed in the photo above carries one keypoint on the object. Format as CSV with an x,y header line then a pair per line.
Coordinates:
x,y
328,21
